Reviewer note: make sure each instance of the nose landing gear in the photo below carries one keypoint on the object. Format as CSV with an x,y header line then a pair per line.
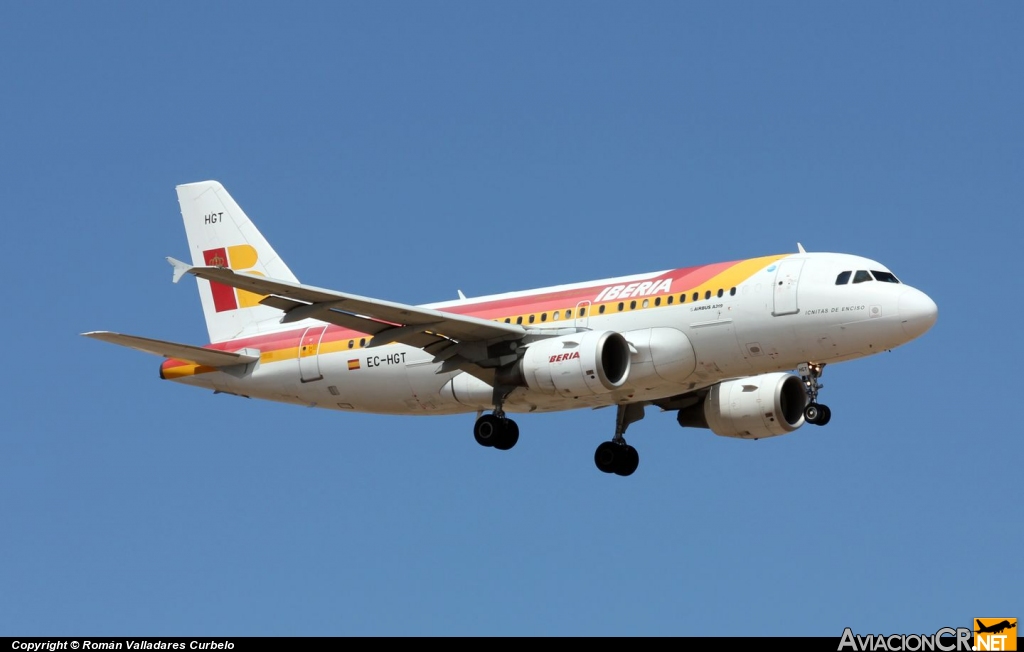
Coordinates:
x,y
815,412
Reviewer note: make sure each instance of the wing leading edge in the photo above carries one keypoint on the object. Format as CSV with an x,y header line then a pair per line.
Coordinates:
x,y
432,330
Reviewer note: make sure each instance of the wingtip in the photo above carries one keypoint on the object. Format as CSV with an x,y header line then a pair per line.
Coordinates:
x,y
180,268
98,335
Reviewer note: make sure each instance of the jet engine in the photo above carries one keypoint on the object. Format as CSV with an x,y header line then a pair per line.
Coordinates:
x,y
750,408
580,364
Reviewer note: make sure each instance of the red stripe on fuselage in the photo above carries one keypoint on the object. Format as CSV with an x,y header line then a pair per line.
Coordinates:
x,y
683,280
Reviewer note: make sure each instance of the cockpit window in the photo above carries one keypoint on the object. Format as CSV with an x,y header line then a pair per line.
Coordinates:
x,y
884,277
861,276
843,278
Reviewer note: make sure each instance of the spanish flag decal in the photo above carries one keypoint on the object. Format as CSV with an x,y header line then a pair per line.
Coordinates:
x,y
353,365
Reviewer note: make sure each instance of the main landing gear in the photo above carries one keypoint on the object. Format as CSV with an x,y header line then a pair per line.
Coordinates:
x,y
496,430
815,412
616,456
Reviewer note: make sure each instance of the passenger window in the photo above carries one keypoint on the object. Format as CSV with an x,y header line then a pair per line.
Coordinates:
x,y
543,316
707,295
555,315
632,305
351,343
621,305
568,314
657,302
720,292
601,309
732,292
583,312
669,301
884,277
508,320
362,342
532,317
843,278
861,276
519,320
696,295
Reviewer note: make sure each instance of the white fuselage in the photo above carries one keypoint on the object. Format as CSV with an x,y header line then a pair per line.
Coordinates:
x,y
782,314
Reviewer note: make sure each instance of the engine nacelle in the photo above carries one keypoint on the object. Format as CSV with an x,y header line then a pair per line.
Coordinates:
x,y
581,364
750,408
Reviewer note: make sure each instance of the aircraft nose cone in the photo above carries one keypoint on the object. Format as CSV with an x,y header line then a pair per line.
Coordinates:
x,y
917,312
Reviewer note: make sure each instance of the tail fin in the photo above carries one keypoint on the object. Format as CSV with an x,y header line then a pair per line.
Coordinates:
x,y
220,234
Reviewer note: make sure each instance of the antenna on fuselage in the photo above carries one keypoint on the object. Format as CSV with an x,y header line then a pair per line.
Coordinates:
x,y
800,248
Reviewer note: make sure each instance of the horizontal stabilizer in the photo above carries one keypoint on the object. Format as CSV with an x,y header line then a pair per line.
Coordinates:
x,y
183,352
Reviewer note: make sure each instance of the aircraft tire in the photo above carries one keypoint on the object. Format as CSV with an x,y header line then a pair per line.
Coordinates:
x,y
605,457
508,437
627,461
813,413
487,430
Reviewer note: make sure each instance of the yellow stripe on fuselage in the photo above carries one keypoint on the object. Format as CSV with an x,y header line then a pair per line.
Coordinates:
x,y
739,273
185,370
730,278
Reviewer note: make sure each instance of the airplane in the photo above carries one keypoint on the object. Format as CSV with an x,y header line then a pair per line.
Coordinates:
x,y
734,347
995,628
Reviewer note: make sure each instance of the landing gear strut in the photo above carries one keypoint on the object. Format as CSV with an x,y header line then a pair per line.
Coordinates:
x,y
815,412
616,456
496,430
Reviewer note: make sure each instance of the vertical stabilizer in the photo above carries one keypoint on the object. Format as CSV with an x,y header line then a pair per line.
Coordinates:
x,y
221,235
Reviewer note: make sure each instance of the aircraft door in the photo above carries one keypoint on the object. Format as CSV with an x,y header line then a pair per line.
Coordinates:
x,y
309,354
582,314
787,279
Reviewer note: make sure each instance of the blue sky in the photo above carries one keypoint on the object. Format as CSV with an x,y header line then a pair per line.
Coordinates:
x,y
407,150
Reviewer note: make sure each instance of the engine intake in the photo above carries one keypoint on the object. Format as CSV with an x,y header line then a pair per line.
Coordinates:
x,y
580,364
750,408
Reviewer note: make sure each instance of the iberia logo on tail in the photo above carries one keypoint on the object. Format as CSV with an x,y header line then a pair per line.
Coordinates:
x,y
241,258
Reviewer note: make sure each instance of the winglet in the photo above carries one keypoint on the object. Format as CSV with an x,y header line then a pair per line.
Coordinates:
x,y
461,295
180,268
800,248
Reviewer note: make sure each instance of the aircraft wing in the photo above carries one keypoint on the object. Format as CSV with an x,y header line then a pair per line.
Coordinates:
x,y
184,352
388,321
